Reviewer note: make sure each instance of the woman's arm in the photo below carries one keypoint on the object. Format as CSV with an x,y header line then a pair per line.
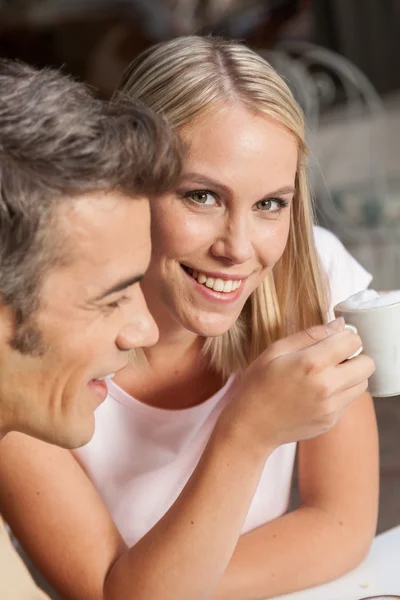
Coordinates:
x,y
332,530
60,519
63,524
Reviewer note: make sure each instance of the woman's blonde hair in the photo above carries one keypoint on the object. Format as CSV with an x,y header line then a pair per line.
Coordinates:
x,y
184,79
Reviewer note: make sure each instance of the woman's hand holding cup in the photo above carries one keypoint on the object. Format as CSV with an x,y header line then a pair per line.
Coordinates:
x,y
299,387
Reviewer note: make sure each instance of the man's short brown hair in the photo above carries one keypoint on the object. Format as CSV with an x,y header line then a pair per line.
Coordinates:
x,y
57,142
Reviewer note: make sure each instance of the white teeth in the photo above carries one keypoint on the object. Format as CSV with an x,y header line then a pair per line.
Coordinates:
x,y
228,286
106,377
218,285
210,282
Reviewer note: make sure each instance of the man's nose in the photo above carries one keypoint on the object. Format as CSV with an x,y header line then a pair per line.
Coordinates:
x,y
140,331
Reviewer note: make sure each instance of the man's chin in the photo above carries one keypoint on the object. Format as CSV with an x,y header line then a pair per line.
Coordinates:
x,y
76,428
69,434
78,435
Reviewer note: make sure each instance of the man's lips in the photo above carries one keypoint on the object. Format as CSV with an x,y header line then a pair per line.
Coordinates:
x,y
104,377
98,387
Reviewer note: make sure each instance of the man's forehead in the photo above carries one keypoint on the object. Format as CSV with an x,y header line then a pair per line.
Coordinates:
x,y
104,220
109,240
92,208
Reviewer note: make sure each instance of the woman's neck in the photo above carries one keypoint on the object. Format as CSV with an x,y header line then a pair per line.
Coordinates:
x,y
176,376
175,346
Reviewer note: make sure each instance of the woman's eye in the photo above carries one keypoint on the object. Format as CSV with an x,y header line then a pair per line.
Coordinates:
x,y
204,197
272,205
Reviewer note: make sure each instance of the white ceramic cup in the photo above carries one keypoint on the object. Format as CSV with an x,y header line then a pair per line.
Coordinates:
x,y
379,329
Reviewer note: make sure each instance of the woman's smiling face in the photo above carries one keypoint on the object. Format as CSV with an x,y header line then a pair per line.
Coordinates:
x,y
227,225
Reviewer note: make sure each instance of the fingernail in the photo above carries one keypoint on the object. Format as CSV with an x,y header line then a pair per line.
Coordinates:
x,y
349,327
336,325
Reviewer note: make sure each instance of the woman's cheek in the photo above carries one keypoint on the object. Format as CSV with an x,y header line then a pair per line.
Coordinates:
x,y
272,243
182,236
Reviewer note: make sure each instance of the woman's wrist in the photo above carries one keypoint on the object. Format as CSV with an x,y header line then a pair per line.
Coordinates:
x,y
240,437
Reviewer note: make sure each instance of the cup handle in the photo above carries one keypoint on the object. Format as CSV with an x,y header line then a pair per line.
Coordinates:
x,y
354,330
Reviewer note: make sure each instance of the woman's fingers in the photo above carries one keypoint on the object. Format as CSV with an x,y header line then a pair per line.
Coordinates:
x,y
353,372
331,351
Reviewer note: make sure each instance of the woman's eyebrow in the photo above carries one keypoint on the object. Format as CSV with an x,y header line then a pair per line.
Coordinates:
x,y
213,183
286,189
206,181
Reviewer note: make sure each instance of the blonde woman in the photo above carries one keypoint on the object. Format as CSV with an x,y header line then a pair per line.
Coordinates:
x,y
183,491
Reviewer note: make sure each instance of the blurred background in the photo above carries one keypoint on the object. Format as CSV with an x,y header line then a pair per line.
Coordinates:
x,y
341,59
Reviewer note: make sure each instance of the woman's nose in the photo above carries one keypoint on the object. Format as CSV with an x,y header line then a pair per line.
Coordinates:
x,y
234,242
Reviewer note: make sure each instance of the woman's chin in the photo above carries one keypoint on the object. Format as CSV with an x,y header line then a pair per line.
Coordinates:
x,y
209,327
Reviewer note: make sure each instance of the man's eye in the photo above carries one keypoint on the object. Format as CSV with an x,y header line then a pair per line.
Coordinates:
x,y
117,303
203,197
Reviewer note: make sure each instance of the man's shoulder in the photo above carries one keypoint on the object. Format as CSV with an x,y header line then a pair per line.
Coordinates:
x,y
16,582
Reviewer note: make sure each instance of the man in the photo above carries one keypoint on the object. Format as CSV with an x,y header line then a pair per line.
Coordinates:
x,y
75,178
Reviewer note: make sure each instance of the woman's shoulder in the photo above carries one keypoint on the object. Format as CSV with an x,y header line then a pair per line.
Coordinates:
x,y
345,274
327,243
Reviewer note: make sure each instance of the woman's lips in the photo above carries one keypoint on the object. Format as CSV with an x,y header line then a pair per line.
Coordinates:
x,y
207,288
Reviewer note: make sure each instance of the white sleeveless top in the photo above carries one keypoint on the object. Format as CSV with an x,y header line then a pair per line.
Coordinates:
x,y
141,457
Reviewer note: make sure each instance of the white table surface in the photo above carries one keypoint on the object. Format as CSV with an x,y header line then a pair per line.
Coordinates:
x,y
378,574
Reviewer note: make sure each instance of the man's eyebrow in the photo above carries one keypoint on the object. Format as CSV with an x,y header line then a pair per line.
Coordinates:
x,y
212,183
121,285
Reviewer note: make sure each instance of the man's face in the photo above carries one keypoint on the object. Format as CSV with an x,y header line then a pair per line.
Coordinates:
x,y
91,313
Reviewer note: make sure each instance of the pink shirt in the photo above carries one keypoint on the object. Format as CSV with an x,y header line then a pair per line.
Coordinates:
x,y
141,457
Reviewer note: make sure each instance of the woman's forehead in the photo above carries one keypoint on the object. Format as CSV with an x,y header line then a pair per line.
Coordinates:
x,y
240,144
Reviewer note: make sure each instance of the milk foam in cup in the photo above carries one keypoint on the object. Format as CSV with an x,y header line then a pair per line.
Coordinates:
x,y
380,597
376,316
371,299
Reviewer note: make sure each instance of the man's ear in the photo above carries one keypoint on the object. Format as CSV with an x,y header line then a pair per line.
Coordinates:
x,y
7,322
